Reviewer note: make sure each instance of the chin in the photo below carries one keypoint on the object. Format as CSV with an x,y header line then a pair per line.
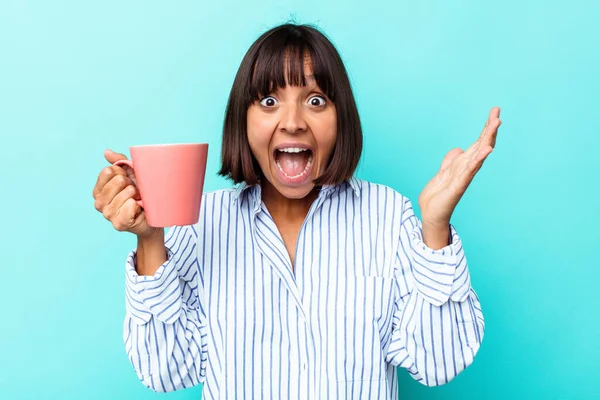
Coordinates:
x,y
296,193
291,192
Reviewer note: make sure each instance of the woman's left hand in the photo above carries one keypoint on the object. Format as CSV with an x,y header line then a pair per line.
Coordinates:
x,y
441,195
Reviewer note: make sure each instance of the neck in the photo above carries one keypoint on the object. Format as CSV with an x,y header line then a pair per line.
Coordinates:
x,y
280,207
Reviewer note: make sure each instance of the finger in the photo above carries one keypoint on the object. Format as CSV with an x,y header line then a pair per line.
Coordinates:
x,y
450,156
493,125
130,174
476,162
131,207
491,116
105,176
483,154
488,133
112,157
111,189
490,139
475,145
112,207
128,216
494,113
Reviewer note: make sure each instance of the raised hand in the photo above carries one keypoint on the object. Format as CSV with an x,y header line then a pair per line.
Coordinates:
x,y
441,195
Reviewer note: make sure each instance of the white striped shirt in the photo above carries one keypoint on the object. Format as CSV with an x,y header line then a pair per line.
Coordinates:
x,y
365,295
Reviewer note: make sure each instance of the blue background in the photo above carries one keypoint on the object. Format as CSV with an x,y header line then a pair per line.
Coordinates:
x,y
77,77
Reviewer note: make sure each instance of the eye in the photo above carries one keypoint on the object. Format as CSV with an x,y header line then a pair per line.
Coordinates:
x,y
317,101
268,101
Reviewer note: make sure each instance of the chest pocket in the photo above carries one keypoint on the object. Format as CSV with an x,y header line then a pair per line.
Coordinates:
x,y
359,318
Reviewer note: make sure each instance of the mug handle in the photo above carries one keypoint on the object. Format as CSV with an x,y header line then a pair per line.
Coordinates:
x,y
129,163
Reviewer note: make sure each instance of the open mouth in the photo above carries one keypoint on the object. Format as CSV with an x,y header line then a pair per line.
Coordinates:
x,y
294,163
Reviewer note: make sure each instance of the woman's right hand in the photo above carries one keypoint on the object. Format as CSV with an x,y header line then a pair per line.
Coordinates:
x,y
116,193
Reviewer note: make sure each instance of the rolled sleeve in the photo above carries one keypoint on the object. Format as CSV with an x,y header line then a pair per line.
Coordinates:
x,y
438,325
158,295
439,275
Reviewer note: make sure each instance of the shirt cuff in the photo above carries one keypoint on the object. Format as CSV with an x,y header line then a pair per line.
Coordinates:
x,y
158,295
440,274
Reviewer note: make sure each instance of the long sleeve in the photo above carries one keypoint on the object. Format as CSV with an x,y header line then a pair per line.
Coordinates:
x,y
438,324
165,324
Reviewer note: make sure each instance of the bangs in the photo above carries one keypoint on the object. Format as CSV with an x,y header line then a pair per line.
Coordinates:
x,y
281,61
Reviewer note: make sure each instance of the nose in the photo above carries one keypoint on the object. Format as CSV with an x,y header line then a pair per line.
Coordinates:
x,y
292,119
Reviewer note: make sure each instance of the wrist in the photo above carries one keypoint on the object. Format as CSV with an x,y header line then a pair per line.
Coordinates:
x,y
152,236
151,253
436,235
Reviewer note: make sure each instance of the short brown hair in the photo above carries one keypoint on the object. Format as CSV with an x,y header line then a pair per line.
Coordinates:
x,y
262,71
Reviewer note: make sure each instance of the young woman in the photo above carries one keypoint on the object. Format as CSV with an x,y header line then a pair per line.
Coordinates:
x,y
302,282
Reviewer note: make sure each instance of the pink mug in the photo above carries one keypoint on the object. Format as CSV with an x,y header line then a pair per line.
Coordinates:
x,y
170,179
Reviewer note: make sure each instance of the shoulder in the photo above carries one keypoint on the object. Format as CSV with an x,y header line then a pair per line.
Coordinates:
x,y
219,194
380,208
378,193
382,200
218,199
215,203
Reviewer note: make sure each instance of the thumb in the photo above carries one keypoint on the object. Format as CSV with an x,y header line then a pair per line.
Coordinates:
x,y
113,157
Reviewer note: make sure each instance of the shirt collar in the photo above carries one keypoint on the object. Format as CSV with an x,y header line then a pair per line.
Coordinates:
x,y
355,185
245,192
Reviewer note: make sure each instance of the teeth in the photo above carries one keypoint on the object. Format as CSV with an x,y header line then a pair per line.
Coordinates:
x,y
308,164
292,150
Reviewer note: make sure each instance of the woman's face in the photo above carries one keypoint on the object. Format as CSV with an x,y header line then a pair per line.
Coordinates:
x,y
292,134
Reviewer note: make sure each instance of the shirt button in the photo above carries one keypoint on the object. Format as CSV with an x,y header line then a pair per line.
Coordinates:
x,y
304,366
